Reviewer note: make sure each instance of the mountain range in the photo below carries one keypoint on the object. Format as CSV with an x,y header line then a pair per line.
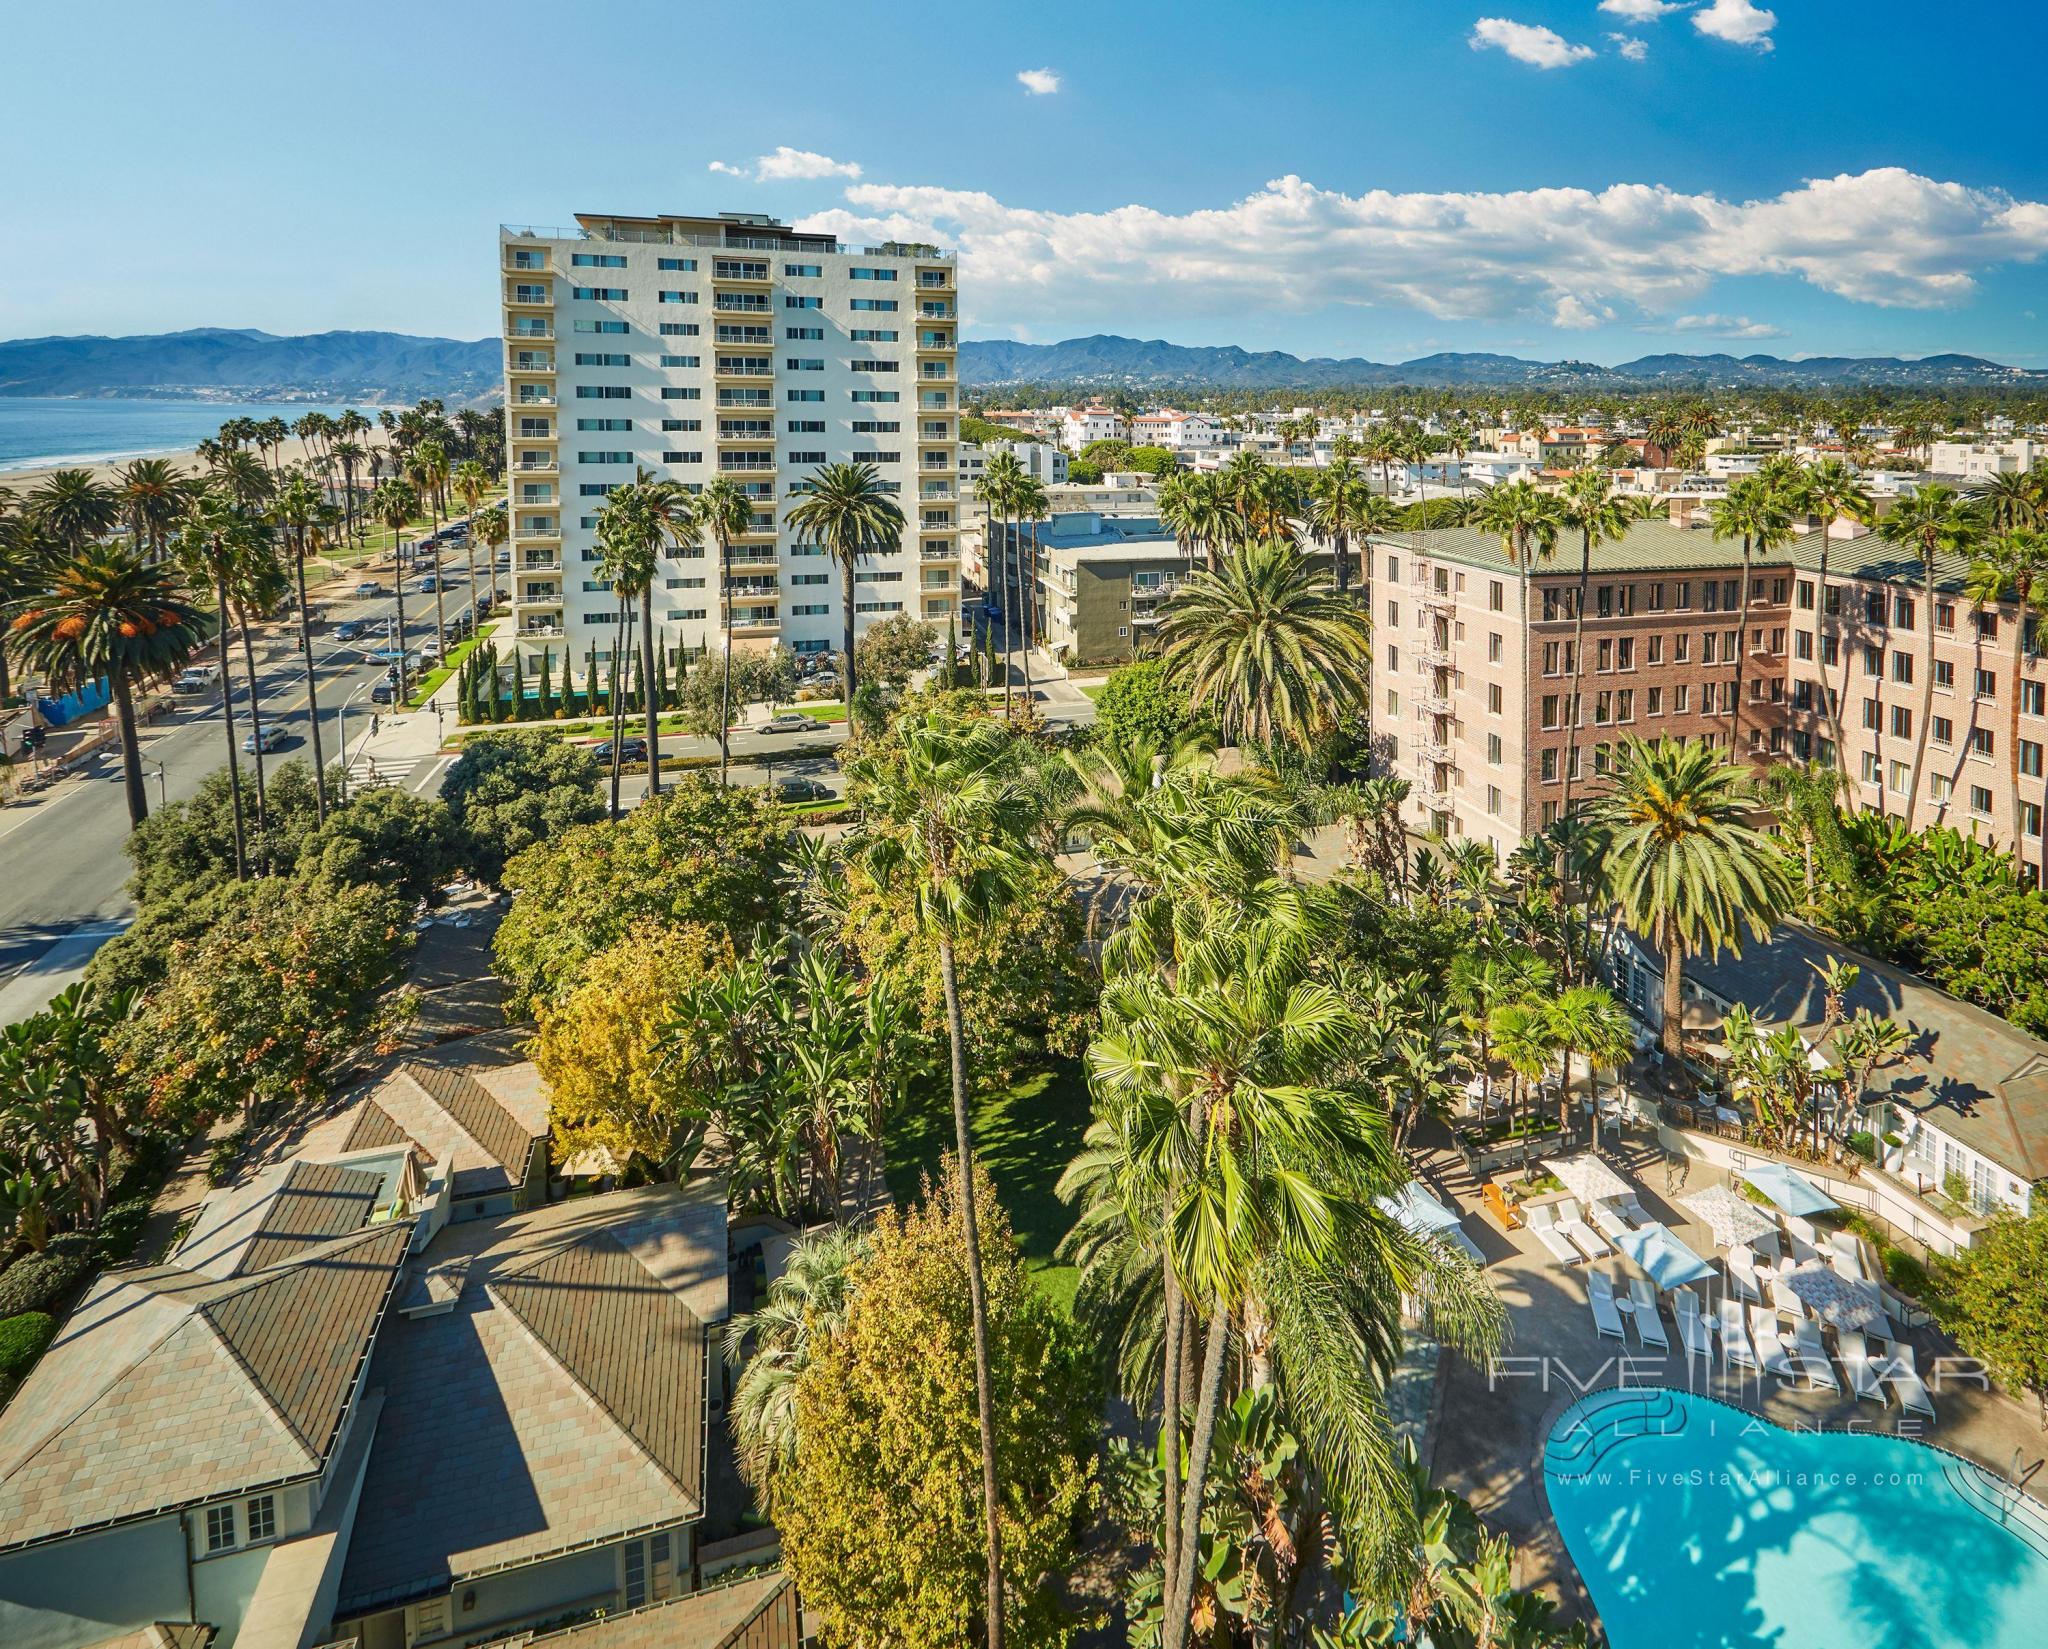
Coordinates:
x,y
380,368
1155,364
390,367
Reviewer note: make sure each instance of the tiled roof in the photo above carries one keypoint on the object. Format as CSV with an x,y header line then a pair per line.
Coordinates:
x,y
758,1613
1648,546
558,1402
168,1386
459,1113
317,1200
373,1127
504,1138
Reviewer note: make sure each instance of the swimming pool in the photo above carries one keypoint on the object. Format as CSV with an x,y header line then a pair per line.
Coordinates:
x,y
1696,1525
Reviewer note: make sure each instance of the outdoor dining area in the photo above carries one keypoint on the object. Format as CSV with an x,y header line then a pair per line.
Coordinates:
x,y
1487,1109
1778,1297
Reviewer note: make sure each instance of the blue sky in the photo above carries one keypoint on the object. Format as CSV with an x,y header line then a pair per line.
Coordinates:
x,y
1587,179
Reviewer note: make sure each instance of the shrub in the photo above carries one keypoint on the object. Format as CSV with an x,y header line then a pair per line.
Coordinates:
x,y
23,1339
226,1153
1864,1145
41,1282
120,1228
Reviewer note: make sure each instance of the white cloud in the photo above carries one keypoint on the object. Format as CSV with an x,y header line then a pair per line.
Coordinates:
x,y
1642,11
786,165
1628,253
1529,43
1738,22
1726,326
1038,82
1628,46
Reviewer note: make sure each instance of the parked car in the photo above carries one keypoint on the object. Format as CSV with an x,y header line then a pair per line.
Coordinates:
x,y
791,722
384,692
429,584
630,750
802,790
430,650
197,678
273,736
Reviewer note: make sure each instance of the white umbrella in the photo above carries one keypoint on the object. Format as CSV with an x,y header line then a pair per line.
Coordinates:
x,y
1734,1222
1588,1178
1841,1300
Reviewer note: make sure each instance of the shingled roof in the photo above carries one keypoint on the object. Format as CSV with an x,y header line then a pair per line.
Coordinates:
x,y
169,1386
317,1201
757,1613
559,1400
452,1111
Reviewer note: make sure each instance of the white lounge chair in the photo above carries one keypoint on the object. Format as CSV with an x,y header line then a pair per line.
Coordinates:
x,y
1600,1296
1904,1379
1742,1275
1578,1233
1846,1257
1766,1246
1693,1333
1863,1373
1609,1219
1812,1356
1649,1328
1735,1335
1800,1238
1785,1302
1543,1223
1770,1346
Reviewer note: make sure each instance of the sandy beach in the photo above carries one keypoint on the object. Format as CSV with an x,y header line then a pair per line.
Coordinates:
x,y
292,451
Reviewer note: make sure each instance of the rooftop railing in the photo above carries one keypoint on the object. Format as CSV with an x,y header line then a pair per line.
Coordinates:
x,y
640,234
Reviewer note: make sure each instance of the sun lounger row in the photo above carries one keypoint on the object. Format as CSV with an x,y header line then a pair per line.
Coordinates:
x,y
1561,1229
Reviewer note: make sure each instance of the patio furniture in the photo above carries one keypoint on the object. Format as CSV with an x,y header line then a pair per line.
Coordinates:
x,y
1588,1178
1663,1258
1600,1296
1742,1275
1416,1211
1608,1219
1578,1233
1497,1204
1543,1223
1734,1335
1785,1302
1649,1329
1900,1374
1693,1333
1839,1301
1845,1254
1862,1371
1812,1356
1770,1347
1732,1220
1790,1190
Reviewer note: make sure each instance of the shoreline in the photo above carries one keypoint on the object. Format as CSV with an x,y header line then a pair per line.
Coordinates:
x,y
35,471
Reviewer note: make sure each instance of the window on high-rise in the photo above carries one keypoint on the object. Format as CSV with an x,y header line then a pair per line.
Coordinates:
x,y
596,260
601,294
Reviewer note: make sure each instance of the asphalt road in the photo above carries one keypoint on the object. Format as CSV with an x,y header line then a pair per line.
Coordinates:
x,y
62,869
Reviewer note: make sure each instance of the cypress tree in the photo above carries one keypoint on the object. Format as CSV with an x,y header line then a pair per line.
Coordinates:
x,y
547,694
661,678
952,652
519,711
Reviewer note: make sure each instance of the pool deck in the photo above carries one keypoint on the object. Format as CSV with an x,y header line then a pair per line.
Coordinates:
x,y
1493,1423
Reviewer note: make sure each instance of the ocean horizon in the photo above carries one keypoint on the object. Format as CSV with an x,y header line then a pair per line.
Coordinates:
x,y
37,432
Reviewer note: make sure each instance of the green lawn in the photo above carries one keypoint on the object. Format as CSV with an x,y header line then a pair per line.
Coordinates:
x,y
1025,1134
441,672
1095,690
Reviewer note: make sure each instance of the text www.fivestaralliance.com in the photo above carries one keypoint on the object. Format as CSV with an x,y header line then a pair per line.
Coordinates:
x,y
1755,1482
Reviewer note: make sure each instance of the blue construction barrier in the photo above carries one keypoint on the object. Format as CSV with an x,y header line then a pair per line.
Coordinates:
x,y
61,712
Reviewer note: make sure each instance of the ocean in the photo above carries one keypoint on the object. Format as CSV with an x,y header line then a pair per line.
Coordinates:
x,y
36,432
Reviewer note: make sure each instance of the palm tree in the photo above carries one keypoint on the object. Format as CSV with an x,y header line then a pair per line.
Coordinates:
x,y
2014,567
423,466
1527,522
953,821
630,533
73,509
1032,504
1197,509
215,542
1934,522
154,493
1585,1019
1759,514
1340,494
1832,491
105,613
257,584
1681,860
494,527
1269,644
1807,799
470,482
849,512
1588,507
298,509
997,490
2016,499
725,512
394,503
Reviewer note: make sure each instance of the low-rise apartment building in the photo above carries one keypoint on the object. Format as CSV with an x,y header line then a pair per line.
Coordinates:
x,y
1103,581
687,347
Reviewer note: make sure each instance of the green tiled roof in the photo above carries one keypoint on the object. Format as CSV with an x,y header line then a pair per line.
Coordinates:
x,y
1649,546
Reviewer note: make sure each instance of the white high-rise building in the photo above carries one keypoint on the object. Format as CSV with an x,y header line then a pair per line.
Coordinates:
x,y
691,347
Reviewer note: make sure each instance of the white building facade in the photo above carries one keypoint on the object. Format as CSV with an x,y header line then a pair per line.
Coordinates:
x,y
692,347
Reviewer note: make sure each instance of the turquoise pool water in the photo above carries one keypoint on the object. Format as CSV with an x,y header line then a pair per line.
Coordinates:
x,y
1697,1526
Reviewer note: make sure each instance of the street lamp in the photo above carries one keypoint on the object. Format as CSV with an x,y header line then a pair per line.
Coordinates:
x,y
342,723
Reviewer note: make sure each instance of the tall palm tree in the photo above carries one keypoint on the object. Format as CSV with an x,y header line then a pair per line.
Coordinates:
x,y
424,466
107,613
257,583
154,493
1033,504
725,512
2016,499
630,534
2014,567
297,509
1681,860
395,503
997,491
1241,481
494,527
954,822
1935,521
1760,515
1340,493
1527,523
1585,1019
850,514
1588,507
215,541
1807,798
1832,491
1213,520
73,509
470,481
1269,644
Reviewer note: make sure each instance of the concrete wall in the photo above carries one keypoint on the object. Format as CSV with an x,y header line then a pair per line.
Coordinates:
x,y
80,1591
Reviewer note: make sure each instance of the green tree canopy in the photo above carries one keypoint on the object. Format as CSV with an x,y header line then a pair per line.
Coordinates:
x,y
1995,1304
508,791
1141,699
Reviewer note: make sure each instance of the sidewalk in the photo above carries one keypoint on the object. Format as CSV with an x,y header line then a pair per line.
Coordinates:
x,y
395,743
